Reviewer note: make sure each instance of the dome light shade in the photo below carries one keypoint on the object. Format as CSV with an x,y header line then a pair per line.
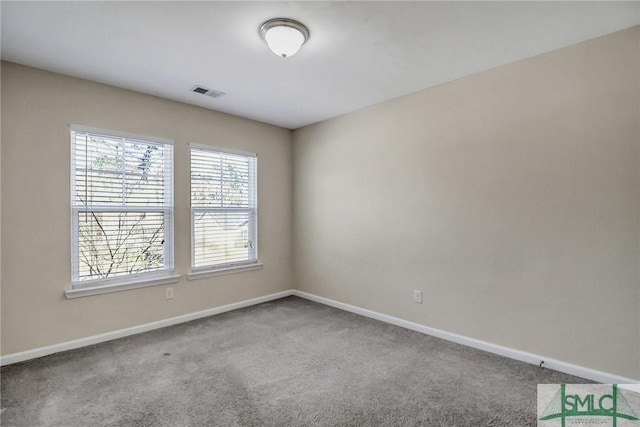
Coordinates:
x,y
284,41
284,36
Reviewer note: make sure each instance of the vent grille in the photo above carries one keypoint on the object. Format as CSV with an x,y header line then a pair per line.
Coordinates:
x,y
208,92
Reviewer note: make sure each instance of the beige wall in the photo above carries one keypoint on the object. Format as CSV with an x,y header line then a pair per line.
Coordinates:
x,y
0,212
638,124
511,198
37,108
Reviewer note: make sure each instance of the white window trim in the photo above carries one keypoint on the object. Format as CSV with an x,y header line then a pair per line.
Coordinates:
x,y
220,149
230,268
120,134
121,283
117,284
223,270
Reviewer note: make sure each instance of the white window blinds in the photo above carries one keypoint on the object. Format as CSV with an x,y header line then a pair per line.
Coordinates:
x,y
223,208
122,204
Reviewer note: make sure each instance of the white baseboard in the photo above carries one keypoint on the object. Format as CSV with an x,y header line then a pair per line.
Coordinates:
x,y
96,339
523,356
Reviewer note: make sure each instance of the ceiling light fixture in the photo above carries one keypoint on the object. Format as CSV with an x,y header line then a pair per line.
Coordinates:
x,y
284,36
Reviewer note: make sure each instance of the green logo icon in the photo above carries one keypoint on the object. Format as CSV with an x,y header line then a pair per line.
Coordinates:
x,y
587,403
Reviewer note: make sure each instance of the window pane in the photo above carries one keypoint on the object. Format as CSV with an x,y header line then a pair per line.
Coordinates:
x,y
122,204
113,244
221,238
221,179
118,171
224,207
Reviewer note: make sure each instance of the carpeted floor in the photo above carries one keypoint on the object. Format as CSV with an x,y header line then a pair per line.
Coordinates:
x,y
289,362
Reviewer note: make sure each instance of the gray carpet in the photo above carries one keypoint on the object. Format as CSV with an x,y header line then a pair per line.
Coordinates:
x,y
289,362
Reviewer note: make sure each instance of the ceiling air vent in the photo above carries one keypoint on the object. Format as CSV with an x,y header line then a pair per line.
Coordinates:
x,y
208,92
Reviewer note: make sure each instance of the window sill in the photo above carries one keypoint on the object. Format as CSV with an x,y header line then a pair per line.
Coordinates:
x,y
222,271
123,286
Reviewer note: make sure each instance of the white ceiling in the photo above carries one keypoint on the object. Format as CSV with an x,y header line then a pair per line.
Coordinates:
x,y
359,53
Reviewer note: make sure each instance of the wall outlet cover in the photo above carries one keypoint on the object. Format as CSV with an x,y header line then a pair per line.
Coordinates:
x,y
417,296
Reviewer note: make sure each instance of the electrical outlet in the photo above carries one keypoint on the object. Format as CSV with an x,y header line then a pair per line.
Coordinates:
x,y
417,296
169,293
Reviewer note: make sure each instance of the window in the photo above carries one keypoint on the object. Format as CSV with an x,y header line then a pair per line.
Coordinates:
x,y
121,206
223,209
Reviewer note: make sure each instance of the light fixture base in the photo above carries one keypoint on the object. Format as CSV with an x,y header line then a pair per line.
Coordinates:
x,y
287,23
284,22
